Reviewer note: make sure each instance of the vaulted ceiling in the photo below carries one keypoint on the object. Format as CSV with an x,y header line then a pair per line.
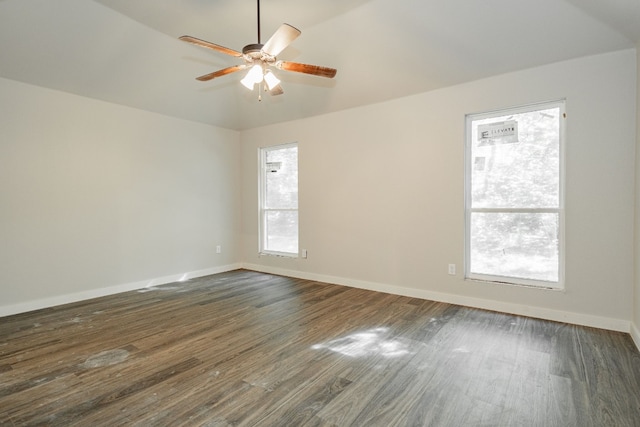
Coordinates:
x,y
127,51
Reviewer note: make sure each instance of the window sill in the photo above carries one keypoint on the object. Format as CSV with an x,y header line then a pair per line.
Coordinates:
x,y
543,286
279,254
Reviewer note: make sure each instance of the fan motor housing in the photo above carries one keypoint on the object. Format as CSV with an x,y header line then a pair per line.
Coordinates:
x,y
253,53
252,49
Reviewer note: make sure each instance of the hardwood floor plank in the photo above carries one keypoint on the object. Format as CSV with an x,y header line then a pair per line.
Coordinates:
x,y
370,376
300,411
250,349
104,400
526,401
562,406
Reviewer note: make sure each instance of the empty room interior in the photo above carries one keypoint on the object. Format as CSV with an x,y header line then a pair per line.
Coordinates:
x,y
430,217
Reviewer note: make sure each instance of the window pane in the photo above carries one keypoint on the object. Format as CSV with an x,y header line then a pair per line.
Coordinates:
x,y
279,200
522,171
522,245
281,184
281,231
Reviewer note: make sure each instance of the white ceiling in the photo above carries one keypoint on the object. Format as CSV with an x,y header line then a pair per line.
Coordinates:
x,y
127,51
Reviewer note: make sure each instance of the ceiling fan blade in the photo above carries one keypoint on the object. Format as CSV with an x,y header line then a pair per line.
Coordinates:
x,y
316,70
221,73
283,36
210,45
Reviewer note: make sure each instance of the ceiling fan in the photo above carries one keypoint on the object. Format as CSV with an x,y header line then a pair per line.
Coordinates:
x,y
258,58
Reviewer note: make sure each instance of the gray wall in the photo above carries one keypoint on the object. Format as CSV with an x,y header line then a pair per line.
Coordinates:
x,y
97,197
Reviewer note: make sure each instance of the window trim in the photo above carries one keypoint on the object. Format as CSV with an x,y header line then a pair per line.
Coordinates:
x,y
560,210
262,211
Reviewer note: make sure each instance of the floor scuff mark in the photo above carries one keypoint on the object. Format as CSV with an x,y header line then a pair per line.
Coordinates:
x,y
106,358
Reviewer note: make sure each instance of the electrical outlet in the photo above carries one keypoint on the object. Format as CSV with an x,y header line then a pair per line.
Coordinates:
x,y
452,269
218,249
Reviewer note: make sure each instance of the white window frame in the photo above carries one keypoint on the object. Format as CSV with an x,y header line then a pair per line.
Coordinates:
x,y
510,280
262,214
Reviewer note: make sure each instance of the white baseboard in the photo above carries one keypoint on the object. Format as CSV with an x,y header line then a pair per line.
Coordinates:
x,y
8,310
503,307
635,335
523,310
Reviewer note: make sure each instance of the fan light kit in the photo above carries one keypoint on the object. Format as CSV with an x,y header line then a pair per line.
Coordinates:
x,y
260,57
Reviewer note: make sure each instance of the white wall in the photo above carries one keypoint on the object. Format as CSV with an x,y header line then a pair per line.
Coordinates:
x,y
97,197
381,192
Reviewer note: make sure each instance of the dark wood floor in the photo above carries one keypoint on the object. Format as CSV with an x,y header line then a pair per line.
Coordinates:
x,y
245,348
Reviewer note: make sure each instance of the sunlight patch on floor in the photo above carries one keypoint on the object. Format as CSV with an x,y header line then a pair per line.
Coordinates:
x,y
367,343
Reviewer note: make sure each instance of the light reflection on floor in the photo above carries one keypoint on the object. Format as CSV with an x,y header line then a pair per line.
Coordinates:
x,y
371,342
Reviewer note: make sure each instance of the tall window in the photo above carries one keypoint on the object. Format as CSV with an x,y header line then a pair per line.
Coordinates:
x,y
279,200
514,196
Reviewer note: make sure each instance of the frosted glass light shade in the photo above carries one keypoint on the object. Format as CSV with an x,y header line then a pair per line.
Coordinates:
x,y
271,80
253,76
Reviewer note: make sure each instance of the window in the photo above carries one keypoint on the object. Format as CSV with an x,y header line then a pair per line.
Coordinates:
x,y
514,196
279,200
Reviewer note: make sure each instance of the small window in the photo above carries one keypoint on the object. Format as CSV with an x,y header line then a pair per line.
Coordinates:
x,y
514,196
279,200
